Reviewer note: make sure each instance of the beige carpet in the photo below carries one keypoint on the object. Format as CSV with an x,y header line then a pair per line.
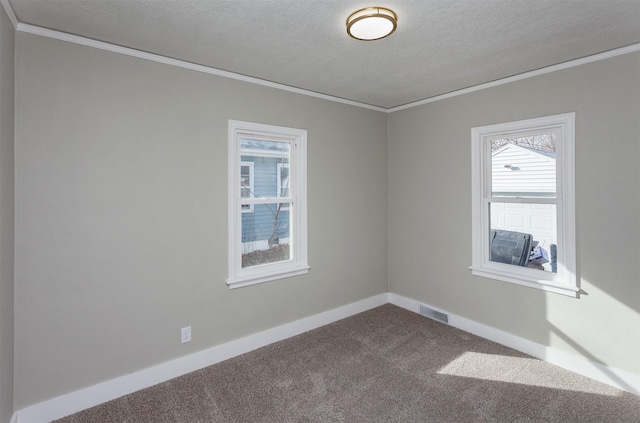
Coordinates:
x,y
384,365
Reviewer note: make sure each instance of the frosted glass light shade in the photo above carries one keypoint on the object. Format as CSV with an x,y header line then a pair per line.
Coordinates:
x,y
371,23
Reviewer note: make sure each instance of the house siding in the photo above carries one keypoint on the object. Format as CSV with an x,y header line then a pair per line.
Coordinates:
x,y
521,171
258,225
528,171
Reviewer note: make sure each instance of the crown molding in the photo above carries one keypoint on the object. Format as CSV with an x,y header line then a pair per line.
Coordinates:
x,y
542,71
9,10
62,36
75,39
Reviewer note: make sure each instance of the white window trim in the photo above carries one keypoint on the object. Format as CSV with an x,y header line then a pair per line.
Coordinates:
x,y
251,188
239,277
565,280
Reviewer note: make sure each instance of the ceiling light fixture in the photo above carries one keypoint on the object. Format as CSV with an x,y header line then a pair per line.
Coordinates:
x,y
371,23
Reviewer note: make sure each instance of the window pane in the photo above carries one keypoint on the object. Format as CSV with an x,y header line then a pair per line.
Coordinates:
x,y
524,166
524,235
283,180
266,234
267,157
245,181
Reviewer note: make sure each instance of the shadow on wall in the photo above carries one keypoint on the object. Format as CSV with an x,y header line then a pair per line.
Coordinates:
x,y
589,356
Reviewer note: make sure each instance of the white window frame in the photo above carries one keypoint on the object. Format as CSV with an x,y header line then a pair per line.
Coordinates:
x,y
251,188
565,280
297,265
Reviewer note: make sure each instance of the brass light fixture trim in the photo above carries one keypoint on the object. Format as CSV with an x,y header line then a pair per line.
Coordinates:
x,y
372,23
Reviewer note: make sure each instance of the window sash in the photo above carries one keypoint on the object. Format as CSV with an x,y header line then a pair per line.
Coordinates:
x,y
266,200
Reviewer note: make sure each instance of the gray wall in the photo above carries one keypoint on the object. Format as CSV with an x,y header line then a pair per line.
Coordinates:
x,y
6,215
430,210
121,214
121,228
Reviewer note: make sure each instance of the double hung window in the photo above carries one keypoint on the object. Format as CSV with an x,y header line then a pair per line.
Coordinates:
x,y
523,203
267,203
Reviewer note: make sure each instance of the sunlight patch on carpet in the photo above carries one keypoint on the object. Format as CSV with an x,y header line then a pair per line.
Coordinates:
x,y
520,370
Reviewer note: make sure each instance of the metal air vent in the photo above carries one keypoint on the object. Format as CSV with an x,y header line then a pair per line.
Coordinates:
x,y
434,314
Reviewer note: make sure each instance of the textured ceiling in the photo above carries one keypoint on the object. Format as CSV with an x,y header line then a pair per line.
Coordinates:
x,y
440,45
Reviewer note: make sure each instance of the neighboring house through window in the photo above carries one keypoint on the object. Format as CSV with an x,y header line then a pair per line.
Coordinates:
x,y
246,183
267,174
523,203
283,181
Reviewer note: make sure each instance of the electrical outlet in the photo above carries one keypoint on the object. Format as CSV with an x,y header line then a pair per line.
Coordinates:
x,y
185,334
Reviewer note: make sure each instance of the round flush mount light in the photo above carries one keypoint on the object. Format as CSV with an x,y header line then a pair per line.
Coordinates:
x,y
371,23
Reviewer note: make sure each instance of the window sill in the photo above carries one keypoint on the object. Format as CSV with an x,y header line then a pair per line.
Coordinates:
x,y
266,276
526,280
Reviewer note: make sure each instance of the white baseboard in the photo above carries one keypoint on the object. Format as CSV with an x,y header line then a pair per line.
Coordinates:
x,y
618,378
82,399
